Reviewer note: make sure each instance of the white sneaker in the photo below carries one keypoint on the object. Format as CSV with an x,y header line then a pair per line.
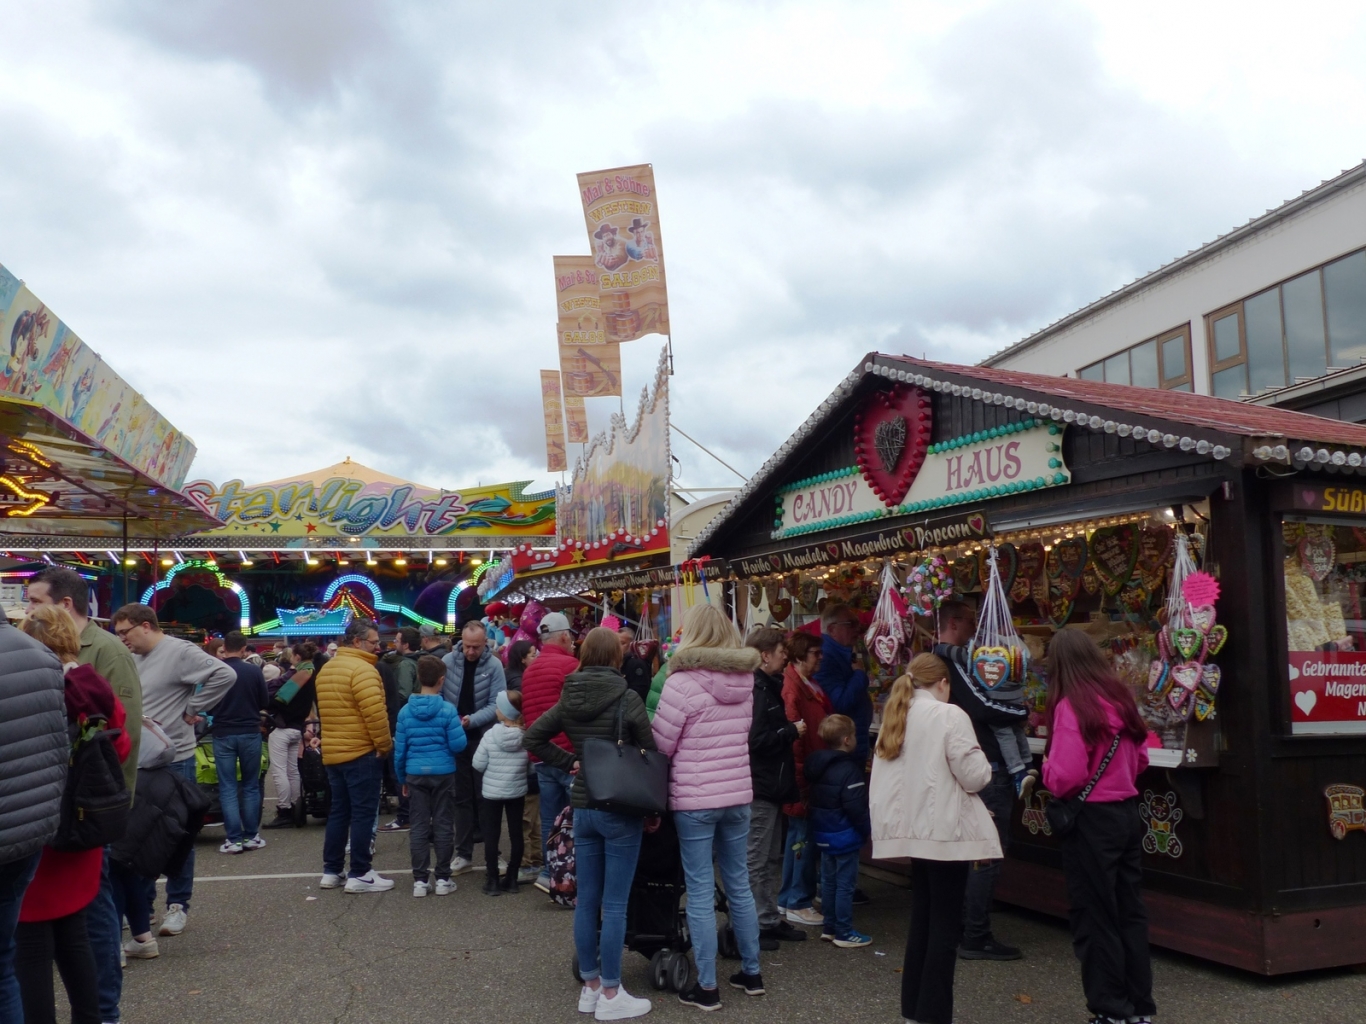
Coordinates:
x,y
419,890
808,916
254,843
588,999
368,882
445,886
332,881
230,847
460,865
174,922
528,875
141,950
621,1006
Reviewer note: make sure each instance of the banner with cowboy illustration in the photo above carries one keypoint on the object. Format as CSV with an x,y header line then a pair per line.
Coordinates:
x,y
591,371
577,302
556,458
622,216
575,419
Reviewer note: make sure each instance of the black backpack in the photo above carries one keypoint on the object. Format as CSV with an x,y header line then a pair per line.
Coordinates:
x,y
95,804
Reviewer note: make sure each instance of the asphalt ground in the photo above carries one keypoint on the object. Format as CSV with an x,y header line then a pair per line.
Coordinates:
x,y
264,943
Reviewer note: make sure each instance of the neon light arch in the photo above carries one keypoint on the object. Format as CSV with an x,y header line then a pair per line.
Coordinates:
x,y
149,594
451,599
364,581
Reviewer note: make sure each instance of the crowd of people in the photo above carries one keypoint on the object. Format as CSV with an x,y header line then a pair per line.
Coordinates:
x,y
776,784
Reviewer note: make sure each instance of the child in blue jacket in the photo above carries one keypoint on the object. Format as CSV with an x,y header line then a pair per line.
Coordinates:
x,y
428,737
840,825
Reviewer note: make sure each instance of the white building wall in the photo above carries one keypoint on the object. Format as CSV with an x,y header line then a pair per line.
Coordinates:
x,y
1305,239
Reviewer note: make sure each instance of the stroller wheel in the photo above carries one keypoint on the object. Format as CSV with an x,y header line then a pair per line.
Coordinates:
x,y
575,968
659,970
679,971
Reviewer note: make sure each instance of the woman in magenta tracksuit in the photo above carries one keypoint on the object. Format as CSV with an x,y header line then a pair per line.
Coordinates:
x,y
1087,707
702,722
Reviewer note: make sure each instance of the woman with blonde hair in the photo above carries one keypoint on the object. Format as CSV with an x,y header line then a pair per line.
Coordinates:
x,y
703,722
927,771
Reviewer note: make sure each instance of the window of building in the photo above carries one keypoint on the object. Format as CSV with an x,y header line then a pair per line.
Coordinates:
x,y
1297,330
1160,362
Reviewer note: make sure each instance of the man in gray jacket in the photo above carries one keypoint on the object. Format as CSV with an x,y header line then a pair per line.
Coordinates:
x,y
33,758
474,679
179,681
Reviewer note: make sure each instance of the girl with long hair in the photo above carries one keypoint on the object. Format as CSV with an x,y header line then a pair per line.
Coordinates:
x,y
1088,707
927,772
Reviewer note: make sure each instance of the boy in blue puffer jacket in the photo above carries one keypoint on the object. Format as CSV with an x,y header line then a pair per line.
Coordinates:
x,y
428,737
840,825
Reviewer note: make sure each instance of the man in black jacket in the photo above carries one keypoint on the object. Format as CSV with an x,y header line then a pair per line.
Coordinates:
x,y
33,760
957,623
773,772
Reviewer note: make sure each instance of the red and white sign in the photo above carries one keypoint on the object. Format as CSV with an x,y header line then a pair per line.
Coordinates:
x,y
1327,692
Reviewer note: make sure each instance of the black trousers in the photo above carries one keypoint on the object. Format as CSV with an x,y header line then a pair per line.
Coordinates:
x,y
937,888
468,786
66,941
491,815
1101,858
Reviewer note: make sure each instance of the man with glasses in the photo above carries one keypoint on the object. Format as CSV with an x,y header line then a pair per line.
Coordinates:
x,y
180,681
474,679
356,740
841,674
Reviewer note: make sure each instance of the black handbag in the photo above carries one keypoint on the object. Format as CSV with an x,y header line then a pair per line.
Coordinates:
x,y
622,779
1062,814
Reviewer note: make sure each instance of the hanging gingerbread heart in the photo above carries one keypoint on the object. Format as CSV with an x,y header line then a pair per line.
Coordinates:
x,y
1317,556
991,666
887,648
1135,596
1114,553
1201,618
891,436
1068,558
1030,558
1090,582
1155,552
1215,640
1210,677
1059,610
965,574
780,609
1204,706
1188,641
1159,676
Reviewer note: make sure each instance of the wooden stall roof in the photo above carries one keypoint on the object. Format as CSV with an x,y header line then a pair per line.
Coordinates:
x,y
1225,429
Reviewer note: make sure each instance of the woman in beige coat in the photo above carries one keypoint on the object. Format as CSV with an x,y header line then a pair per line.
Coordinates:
x,y
926,775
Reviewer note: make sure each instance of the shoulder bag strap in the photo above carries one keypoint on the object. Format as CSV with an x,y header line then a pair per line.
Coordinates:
x,y
621,718
1104,763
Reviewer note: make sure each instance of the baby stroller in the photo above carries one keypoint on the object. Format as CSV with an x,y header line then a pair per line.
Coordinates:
x,y
656,923
317,793
206,776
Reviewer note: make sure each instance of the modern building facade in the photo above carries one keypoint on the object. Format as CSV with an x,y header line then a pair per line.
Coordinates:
x,y
1273,312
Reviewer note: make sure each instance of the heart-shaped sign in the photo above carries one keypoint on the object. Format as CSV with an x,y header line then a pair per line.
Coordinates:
x,y
1215,640
1068,558
1187,641
1007,565
1204,705
1317,555
780,609
1159,676
887,647
1187,676
1030,560
756,596
965,574
1059,608
1155,551
991,666
891,435
1090,582
1305,701
1201,618
1114,552
1210,678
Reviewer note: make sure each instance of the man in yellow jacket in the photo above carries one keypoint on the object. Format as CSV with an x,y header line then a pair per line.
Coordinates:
x,y
356,739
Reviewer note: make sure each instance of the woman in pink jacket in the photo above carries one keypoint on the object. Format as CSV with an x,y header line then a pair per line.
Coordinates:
x,y
1088,706
703,722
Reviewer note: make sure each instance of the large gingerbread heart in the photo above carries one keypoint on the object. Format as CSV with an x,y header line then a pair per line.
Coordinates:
x,y
887,648
1317,555
1114,552
1030,560
1007,565
991,666
780,609
891,434
1155,550
965,574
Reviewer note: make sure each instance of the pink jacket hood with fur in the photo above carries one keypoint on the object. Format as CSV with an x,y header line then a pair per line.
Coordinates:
x,y
703,722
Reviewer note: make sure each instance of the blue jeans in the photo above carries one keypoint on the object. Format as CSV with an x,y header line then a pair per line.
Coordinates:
x,y
999,797
801,863
180,886
355,806
241,811
606,847
839,876
104,925
726,830
14,879
555,786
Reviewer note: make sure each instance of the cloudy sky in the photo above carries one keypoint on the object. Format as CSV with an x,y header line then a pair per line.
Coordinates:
x,y
308,229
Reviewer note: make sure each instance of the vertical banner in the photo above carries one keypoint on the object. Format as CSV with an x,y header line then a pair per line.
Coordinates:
x,y
575,419
591,371
622,216
556,459
577,302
